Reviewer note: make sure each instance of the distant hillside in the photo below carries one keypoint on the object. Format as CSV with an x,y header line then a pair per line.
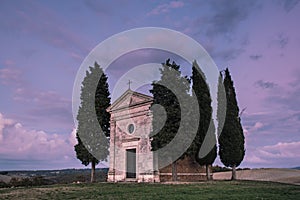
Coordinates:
x,y
8,178
48,172
274,175
296,167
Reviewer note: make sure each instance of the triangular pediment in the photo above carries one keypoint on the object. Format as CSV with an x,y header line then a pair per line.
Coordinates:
x,y
128,99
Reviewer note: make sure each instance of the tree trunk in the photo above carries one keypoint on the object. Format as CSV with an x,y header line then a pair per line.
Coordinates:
x,y
93,172
174,171
233,177
208,173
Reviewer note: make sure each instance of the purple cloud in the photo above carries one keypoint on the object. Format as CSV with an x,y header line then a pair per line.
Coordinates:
x,y
280,40
288,5
228,15
100,7
45,108
265,84
126,62
227,54
165,8
32,18
10,76
256,56
287,98
217,29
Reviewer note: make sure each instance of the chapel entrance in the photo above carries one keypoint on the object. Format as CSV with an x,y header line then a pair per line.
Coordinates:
x,y
131,163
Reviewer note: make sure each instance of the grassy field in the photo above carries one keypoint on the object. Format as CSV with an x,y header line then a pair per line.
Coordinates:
x,y
204,190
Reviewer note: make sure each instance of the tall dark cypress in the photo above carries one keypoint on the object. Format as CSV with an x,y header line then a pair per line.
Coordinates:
x,y
201,90
93,120
231,140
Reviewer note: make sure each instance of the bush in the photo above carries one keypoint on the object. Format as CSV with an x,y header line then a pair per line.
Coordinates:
x,y
16,182
220,169
225,169
239,169
27,182
3,184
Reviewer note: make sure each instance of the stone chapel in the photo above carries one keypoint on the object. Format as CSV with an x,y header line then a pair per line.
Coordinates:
x,y
130,155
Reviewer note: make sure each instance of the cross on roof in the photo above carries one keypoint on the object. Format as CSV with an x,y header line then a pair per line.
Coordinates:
x,y
129,82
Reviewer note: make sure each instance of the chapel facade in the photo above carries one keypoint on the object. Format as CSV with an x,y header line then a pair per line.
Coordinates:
x,y
130,155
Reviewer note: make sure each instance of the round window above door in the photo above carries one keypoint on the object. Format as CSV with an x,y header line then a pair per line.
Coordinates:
x,y
130,128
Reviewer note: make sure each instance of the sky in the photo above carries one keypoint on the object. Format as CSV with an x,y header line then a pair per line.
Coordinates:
x,y
43,44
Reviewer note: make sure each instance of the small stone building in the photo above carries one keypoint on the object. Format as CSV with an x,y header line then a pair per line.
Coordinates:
x,y
131,158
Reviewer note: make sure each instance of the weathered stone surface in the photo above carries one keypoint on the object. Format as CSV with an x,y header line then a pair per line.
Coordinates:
x,y
131,108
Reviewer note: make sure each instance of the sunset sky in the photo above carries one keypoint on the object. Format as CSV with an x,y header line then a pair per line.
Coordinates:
x,y
43,44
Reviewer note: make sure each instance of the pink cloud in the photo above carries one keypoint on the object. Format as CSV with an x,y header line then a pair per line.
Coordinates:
x,y
252,158
9,62
164,8
282,154
18,142
258,125
10,76
282,150
44,108
252,129
176,4
3,123
76,56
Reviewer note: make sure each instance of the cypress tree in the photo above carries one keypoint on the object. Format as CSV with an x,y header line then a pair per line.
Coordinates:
x,y
221,109
170,73
93,120
232,138
201,90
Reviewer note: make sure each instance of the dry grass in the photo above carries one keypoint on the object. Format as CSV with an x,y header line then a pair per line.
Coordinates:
x,y
291,176
37,192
